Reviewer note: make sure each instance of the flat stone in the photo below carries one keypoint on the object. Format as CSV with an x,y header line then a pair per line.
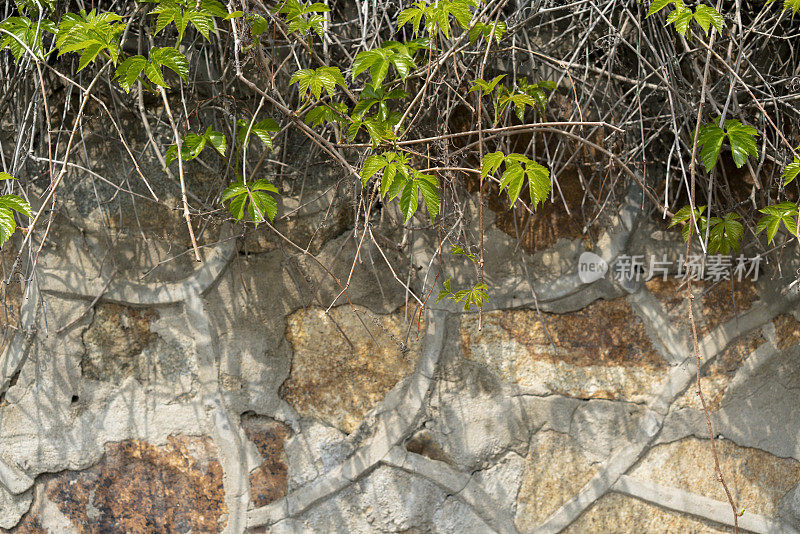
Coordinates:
x,y
619,513
555,470
787,330
140,488
714,303
114,340
268,482
600,352
340,369
757,479
718,374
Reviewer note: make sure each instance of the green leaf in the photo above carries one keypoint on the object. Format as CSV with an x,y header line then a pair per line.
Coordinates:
x,y
743,141
372,165
172,59
256,200
153,73
217,140
16,203
429,187
681,17
260,129
785,212
707,16
6,176
7,225
710,137
129,70
656,6
725,234
409,199
486,87
791,172
684,215
538,183
491,162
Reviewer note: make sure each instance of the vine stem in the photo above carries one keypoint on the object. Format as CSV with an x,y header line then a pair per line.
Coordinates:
x,y
690,295
180,173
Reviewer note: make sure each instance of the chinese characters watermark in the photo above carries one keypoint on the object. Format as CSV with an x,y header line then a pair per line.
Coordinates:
x,y
713,268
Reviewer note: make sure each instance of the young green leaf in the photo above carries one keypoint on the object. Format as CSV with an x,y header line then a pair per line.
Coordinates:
x,y
791,172
785,212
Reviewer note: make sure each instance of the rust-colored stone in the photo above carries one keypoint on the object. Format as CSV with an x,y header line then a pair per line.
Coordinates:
x,y
140,488
28,525
338,371
268,482
787,330
714,303
113,341
602,351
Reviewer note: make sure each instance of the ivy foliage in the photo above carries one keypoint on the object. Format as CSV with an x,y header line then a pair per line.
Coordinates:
x,y
8,205
681,16
193,144
741,137
517,169
724,233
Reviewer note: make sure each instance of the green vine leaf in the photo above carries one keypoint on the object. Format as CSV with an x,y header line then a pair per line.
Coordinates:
x,y
725,234
470,297
181,12
437,15
254,199
90,34
740,136
791,172
8,205
260,129
193,144
794,5
25,33
487,31
785,212
683,216
517,169
400,179
334,112
129,70
303,18
313,81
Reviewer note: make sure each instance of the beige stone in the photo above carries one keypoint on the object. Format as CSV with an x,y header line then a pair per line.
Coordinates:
x,y
757,479
555,470
618,513
338,378
600,352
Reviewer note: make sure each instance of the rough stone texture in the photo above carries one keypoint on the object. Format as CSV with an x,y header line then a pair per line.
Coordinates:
x,y
219,397
601,352
754,477
618,513
140,488
715,303
554,470
717,376
268,481
362,362
114,342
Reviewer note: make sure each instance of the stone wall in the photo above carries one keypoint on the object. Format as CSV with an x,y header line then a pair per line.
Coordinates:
x,y
226,397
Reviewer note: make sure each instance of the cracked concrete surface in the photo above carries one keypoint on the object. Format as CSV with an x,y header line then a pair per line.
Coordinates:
x,y
273,412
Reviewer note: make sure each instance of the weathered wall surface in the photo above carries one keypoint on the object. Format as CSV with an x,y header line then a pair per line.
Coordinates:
x,y
222,398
